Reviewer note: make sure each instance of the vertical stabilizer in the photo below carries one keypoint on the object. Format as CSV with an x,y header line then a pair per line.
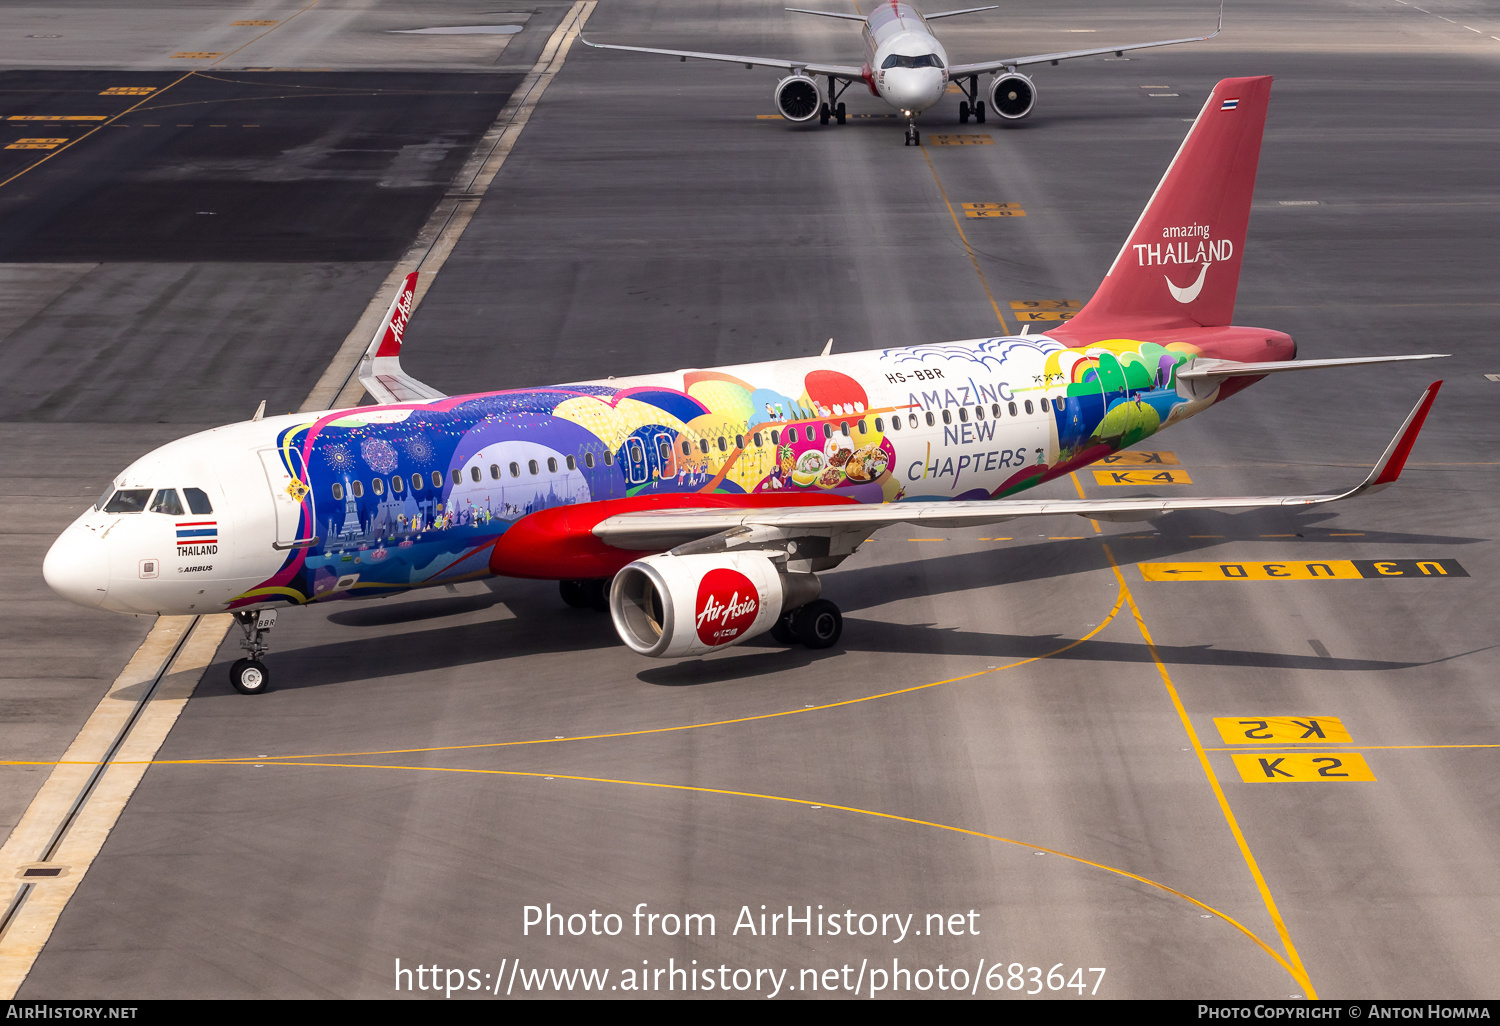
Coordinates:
x,y
1180,267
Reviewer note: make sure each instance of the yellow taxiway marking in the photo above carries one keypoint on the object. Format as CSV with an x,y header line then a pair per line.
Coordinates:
x,y
1304,570
1142,477
197,54
129,91
806,803
1045,304
252,23
979,210
177,81
1282,730
36,144
768,117
1302,768
1396,748
967,139
1293,960
973,258
1132,458
58,117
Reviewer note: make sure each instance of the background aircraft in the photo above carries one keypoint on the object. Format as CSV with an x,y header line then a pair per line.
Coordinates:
x,y
699,506
906,67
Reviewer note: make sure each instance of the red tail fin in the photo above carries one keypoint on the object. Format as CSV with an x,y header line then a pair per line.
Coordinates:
x,y
1180,267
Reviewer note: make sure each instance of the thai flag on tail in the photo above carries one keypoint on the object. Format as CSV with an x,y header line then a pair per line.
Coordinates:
x,y
1230,104
198,532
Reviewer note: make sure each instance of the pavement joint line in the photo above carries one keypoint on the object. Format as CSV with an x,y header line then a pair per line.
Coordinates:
x,y
973,258
69,145
810,803
78,805
338,388
1293,960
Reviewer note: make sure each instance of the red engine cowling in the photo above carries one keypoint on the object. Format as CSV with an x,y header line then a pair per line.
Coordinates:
x,y
669,606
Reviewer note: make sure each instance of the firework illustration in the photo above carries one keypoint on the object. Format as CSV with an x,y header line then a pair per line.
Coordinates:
x,y
418,450
339,457
379,454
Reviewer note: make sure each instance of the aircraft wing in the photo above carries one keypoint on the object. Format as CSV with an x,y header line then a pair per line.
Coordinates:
x,y
667,528
960,70
845,71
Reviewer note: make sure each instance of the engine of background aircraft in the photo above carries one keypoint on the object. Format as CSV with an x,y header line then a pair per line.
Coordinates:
x,y
1012,96
797,98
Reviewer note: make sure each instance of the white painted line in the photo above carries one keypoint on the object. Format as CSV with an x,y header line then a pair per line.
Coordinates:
x,y
45,830
338,387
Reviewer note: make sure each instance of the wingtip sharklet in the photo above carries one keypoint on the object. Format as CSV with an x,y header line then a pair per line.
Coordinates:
x,y
1388,468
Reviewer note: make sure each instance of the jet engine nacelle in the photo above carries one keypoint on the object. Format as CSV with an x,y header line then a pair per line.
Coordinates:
x,y
669,606
1012,96
797,98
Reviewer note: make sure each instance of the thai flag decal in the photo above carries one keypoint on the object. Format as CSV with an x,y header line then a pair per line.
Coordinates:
x,y
1230,104
197,532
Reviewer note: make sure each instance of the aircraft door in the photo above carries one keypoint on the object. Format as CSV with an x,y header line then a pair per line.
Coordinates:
x,y
666,453
292,497
635,462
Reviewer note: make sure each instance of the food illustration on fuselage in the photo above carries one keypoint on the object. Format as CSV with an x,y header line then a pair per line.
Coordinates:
x,y
402,497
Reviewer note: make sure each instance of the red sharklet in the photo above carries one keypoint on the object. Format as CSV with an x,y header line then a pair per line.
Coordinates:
x,y
400,313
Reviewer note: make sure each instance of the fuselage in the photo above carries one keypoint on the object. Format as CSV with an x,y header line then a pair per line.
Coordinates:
x,y
905,65
382,499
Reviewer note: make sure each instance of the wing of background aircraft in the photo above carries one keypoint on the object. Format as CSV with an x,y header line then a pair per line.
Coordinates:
x,y
710,530
1011,63
849,72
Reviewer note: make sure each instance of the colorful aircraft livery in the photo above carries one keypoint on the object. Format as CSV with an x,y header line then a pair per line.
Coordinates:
x,y
698,506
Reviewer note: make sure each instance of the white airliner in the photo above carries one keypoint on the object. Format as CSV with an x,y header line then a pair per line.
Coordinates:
x,y
906,67
699,506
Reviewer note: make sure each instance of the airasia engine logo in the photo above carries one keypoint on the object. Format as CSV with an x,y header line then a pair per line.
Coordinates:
x,y
727,604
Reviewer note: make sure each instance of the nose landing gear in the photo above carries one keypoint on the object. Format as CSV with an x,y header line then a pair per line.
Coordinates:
x,y
913,137
250,676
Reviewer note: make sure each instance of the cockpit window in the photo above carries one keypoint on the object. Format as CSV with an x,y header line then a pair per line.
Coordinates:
x,y
128,500
197,500
927,60
166,501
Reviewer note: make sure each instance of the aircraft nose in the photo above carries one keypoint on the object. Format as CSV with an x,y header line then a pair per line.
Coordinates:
x,y
914,89
77,567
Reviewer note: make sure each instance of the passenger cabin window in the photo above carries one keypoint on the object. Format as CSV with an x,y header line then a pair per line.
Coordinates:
x,y
739,441
703,445
416,482
437,479
588,460
495,471
458,477
515,470
861,428
844,428
338,492
756,438
551,464
1013,409
947,417
775,437
609,459
378,485
197,500
979,413
166,501
911,418
531,466
1029,408
687,449
995,411
827,430
879,424
572,463
358,488
810,433
1044,405
963,414
398,485
1058,403
723,445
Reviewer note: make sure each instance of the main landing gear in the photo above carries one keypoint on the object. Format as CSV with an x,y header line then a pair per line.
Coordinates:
x,y
816,625
973,105
591,593
250,676
833,108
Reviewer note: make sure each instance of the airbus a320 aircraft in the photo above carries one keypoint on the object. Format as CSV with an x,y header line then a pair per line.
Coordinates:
x,y
699,506
906,67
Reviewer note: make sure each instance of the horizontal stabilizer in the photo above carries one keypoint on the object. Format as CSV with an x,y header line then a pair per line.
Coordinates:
x,y
380,368
1199,377
828,14
954,14
667,528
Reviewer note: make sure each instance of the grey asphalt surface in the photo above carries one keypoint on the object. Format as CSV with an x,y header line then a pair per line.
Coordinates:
x,y
648,220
